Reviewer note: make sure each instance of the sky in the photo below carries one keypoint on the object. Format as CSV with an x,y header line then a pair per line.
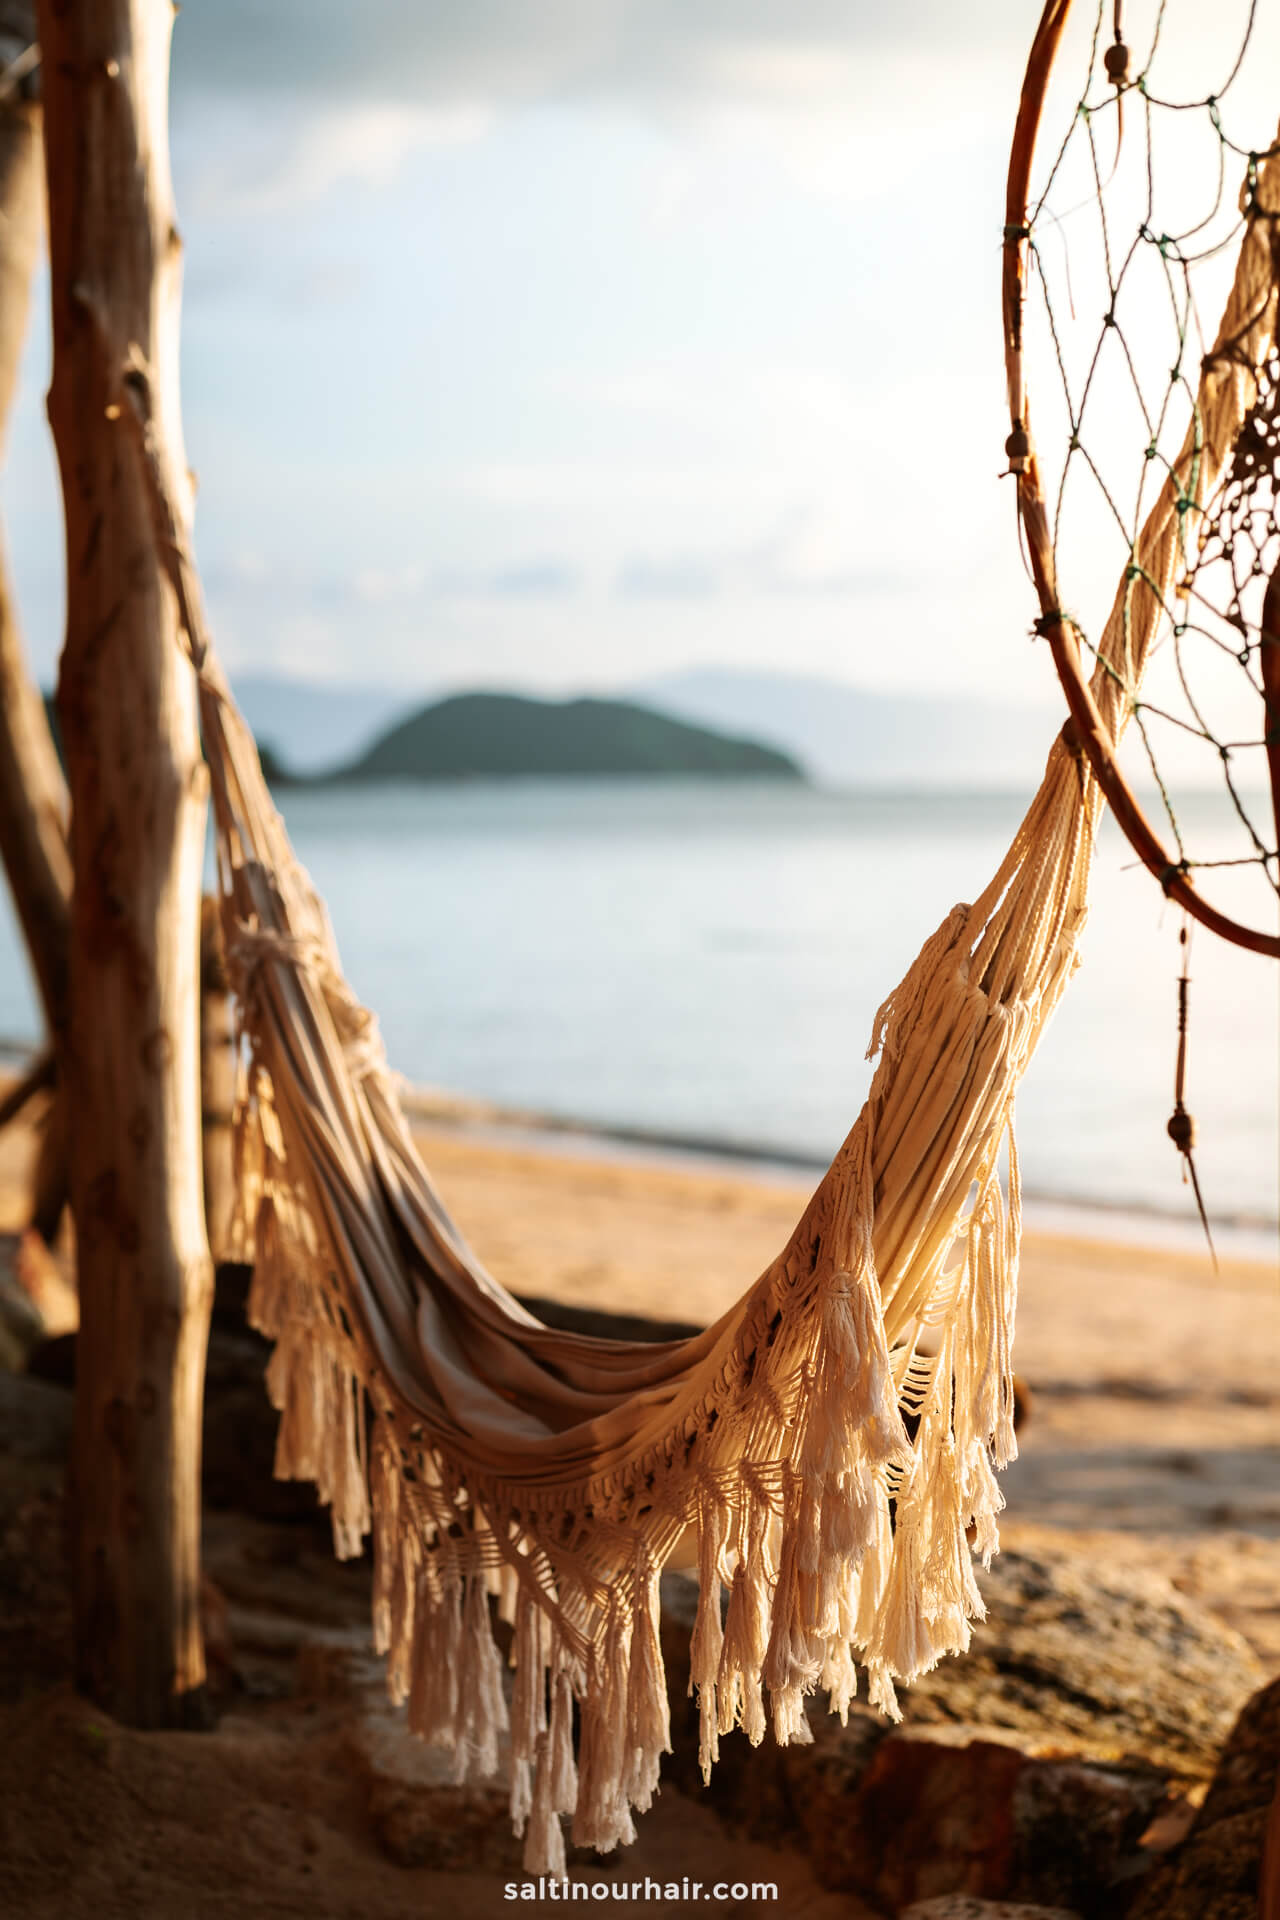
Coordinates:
x,y
560,345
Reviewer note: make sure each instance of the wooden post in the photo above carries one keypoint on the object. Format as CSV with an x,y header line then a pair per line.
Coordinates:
x,y
127,707
217,1086
33,795
33,799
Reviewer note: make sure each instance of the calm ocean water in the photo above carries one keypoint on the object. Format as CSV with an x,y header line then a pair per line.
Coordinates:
x,y
704,961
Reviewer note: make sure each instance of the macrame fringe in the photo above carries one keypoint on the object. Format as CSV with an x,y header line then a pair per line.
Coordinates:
x,y
790,1510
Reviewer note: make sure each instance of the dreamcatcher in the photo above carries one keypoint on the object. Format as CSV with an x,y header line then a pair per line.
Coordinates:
x,y
1112,260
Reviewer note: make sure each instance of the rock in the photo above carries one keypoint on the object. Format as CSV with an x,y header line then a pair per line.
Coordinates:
x,y
21,1327
35,1602
964,1906
966,1810
1031,1769
421,1815
1078,1830
35,1420
923,1819
1174,1818
1116,1667
1215,1873
1269,1876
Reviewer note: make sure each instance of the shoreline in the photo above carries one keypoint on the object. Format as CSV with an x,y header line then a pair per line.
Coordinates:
x,y
1067,1216
1242,1237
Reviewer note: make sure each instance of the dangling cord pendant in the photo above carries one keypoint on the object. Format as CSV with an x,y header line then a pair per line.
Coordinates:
x,y
1115,63
1182,1128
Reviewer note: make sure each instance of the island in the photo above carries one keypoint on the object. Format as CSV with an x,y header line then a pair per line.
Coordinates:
x,y
496,736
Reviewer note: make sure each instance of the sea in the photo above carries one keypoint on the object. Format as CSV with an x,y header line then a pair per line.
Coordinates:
x,y
698,964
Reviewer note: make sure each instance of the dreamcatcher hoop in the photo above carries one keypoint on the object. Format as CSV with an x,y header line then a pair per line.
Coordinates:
x,y
1087,731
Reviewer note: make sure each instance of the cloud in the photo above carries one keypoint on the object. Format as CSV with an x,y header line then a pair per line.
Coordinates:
x,y
528,580
246,578
808,552
376,586
246,156
672,579
373,84
547,577
324,95
510,53
368,143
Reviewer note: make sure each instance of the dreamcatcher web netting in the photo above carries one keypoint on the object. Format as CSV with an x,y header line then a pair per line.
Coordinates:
x,y
1132,236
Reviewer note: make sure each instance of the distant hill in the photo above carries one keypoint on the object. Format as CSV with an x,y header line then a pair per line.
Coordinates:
x,y
274,770
504,735
854,736
838,733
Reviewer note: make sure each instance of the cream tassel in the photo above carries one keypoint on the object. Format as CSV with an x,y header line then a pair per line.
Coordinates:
x,y
482,1711
746,1633
544,1851
648,1713
434,1696
603,1818
562,1768
708,1634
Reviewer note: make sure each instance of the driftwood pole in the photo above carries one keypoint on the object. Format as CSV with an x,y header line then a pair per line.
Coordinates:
x,y
33,800
217,1087
33,795
126,701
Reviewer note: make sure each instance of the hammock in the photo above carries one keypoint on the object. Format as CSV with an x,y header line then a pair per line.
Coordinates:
x,y
493,1457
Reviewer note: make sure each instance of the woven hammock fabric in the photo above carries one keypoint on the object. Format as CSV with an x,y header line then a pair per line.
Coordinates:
x,y
491,1456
